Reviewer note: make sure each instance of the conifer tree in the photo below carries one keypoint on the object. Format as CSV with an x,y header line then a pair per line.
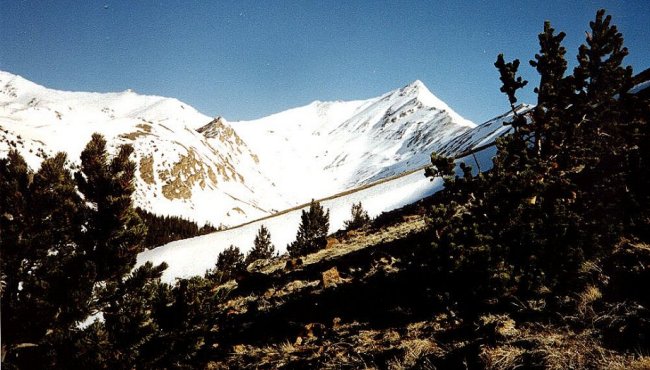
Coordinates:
x,y
312,232
559,192
114,230
56,247
229,263
164,229
359,217
15,178
49,281
262,247
511,83
552,93
130,323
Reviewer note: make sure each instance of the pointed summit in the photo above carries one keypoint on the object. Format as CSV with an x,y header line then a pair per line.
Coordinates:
x,y
217,128
417,84
418,90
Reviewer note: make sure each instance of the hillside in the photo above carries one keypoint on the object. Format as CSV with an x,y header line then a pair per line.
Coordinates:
x,y
372,301
523,243
336,146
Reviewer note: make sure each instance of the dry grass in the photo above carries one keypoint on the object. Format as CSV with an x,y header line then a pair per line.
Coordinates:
x,y
146,170
144,130
502,358
500,326
495,340
416,349
181,178
364,240
553,349
331,278
586,299
640,363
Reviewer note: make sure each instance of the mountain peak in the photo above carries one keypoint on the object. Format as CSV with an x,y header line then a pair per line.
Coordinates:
x,y
417,84
417,89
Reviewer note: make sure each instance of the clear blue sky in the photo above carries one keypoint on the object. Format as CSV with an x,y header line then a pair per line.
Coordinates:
x,y
247,59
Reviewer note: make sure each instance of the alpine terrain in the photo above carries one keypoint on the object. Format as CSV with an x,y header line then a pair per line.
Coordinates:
x,y
211,170
387,233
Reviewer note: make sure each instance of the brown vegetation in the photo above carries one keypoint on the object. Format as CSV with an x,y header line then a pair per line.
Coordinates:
x,y
146,170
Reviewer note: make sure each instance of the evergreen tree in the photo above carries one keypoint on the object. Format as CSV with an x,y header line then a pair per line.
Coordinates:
x,y
57,249
129,321
550,128
114,230
262,248
559,193
440,167
511,83
359,217
164,229
49,283
312,232
229,263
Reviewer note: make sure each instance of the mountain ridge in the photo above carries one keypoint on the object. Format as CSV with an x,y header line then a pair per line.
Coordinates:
x,y
212,170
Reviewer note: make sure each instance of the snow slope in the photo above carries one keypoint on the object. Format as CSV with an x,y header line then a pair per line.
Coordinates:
x,y
230,173
194,256
483,134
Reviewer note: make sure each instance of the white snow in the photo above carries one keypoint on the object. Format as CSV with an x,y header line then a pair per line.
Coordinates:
x,y
327,147
194,256
37,119
482,134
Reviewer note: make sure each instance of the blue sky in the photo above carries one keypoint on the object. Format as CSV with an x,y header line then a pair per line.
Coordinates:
x,y
248,59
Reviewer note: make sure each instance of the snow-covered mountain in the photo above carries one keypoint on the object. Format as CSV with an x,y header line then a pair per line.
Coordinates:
x,y
327,147
211,170
207,174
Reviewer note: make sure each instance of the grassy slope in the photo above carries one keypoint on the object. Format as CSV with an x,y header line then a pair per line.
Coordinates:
x,y
365,302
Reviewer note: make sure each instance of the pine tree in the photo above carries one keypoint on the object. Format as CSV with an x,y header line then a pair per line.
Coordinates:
x,y
552,93
56,248
511,83
114,230
229,263
262,247
312,232
15,178
559,192
129,321
50,281
440,166
359,217
164,229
